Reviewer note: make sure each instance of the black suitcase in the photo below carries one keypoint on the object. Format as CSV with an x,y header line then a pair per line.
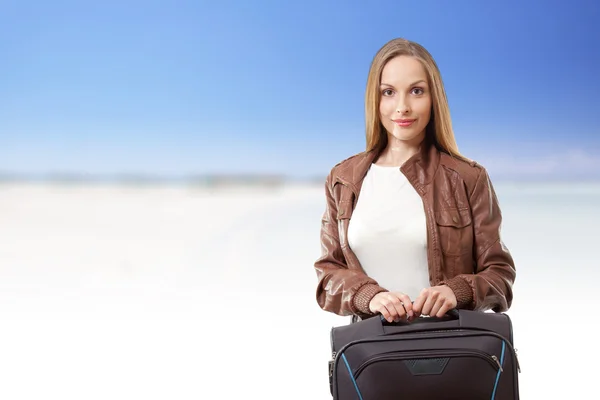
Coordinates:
x,y
464,355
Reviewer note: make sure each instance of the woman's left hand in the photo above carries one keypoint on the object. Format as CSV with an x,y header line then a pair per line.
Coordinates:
x,y
435,301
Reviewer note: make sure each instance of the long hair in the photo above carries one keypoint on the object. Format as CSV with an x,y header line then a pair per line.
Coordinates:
x,y
439,129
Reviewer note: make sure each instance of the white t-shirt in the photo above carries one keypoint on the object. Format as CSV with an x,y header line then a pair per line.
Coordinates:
x,y
388,231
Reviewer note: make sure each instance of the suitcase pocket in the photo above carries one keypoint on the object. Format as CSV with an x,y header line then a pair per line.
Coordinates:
x,y
427,362
441,373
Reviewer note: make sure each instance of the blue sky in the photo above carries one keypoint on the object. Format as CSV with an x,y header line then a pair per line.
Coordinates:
x,y
179,87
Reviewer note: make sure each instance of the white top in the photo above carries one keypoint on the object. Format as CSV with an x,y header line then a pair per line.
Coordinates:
x,y
388,231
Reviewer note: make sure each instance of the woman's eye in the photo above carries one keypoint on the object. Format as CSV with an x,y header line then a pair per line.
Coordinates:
x,y
419,90
387,92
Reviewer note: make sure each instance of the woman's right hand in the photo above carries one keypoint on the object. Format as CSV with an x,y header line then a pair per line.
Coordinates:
x,y
393,306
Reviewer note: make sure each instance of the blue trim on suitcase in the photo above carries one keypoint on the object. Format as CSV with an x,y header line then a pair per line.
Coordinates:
x,y
351,376
499,371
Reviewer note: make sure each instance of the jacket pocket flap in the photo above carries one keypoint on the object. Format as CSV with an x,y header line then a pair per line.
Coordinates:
x,y
453,217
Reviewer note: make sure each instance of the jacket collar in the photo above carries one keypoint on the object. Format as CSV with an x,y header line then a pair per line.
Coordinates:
x,y
419,169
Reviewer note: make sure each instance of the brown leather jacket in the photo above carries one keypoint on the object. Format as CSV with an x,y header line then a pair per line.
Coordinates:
x,y
465,251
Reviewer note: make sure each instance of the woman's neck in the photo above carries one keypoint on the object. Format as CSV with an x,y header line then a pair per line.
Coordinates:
x,y
395,154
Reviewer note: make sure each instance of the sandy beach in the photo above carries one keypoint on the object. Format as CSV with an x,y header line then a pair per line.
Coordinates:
x,y
153,292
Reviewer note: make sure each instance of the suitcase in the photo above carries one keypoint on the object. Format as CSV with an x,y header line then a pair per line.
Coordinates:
x,y
463,355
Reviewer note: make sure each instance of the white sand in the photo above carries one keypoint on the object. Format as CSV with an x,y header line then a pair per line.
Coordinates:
x,y
153,293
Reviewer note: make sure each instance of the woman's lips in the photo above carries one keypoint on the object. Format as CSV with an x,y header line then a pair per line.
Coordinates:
x,y
404,122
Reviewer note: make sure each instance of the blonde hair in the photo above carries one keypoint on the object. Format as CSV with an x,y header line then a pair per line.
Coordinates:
x,y
439,129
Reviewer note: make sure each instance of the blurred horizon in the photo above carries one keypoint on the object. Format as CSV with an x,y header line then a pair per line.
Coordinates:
x,y
239,180
186,88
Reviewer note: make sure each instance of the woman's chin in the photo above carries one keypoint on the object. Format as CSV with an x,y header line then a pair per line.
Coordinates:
x,y
407,135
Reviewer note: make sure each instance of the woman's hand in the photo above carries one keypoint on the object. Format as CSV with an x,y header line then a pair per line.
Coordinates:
x,y
434,301
392,305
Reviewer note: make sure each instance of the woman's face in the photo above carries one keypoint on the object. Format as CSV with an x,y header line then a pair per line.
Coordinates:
x,y
405,100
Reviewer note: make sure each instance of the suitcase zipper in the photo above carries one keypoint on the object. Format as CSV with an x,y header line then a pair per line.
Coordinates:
x,y
491,359
331,363
495,358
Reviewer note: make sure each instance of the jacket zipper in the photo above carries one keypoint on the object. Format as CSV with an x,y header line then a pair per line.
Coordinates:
x,y
491,359
355,192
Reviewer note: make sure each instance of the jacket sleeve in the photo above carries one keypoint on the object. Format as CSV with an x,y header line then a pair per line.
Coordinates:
x,y
340,289
490,286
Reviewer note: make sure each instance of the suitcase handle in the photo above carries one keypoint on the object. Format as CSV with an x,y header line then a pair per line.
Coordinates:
x,y
452,314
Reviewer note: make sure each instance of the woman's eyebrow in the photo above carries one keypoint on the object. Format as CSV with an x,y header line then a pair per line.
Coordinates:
x,y
412,84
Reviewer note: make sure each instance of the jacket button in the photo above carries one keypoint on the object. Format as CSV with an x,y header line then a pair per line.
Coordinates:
x,y
341,212
455,219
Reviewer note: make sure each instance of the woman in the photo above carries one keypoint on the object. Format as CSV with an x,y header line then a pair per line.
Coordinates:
x,y
411,227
